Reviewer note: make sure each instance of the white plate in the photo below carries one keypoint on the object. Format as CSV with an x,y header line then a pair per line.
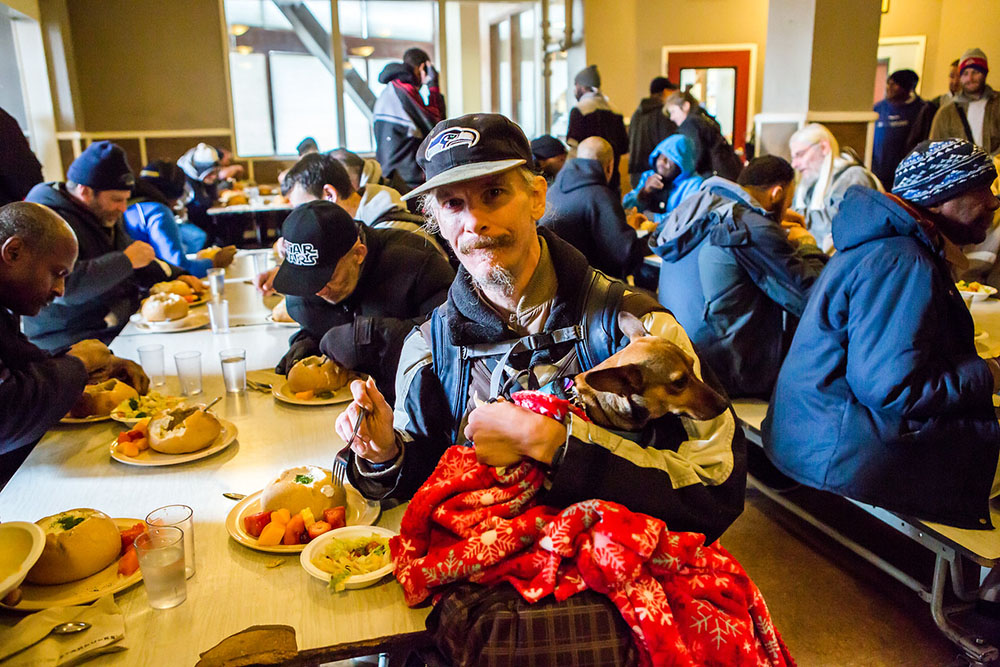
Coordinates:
x,y
984,293
360,512
350,532
83,591
21,544
192,321
152,458
85,420
270,320
281,392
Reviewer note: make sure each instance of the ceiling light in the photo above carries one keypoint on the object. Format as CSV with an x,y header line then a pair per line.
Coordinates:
x,y
362,51
244,50
238,29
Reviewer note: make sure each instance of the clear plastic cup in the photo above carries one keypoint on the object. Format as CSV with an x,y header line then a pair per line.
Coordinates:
x,y
216,282
189,372
234,369
151,360
218,315
178,516
161,559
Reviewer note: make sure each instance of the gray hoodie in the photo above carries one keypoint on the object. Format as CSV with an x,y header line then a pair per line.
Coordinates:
x,y
383,208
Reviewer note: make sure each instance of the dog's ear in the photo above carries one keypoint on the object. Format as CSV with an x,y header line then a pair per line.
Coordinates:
x,y
631,325
622,380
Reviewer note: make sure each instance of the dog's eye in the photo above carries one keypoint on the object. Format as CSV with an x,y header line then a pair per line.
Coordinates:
x,y
679,383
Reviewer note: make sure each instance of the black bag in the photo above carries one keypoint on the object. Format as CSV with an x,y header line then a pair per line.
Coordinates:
x,y
725,161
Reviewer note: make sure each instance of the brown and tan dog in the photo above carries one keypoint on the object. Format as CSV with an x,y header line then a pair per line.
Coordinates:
x,y
649,378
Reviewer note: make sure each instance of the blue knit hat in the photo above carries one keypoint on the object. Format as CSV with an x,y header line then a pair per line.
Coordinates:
x,y
936,171
102,166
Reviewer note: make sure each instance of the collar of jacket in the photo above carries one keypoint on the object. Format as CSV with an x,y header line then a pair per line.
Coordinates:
x,y
471,320
988,94
578,173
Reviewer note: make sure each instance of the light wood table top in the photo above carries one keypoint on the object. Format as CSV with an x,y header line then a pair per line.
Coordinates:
x,y
232,588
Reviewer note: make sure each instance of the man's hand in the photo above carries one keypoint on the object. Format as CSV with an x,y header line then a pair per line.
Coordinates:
x,y
224,257
304,346
94,354
652,184
193,282
634,219
376,441
795,227
504,433
229,172
264,282
128,372
140,254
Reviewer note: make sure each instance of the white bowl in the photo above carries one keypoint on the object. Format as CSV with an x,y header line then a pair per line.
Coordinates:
x,y
984,293
21,545
349,532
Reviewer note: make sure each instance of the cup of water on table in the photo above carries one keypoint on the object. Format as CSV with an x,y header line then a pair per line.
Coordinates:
x,y
189,372
234,369
218,315
178,516
216,282
161,558
151,360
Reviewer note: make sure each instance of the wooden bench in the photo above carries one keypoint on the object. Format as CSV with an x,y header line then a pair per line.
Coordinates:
x,y
948,544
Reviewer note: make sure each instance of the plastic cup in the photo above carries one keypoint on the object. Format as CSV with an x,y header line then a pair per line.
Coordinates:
x,y
178,516
151,360
218,315
189,372
216,282
161,559
234,370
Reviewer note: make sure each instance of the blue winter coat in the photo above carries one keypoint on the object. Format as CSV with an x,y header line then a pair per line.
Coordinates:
x,y
882,397
680,150
154,223
729,275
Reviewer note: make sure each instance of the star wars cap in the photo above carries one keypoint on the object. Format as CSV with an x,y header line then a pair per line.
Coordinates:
x,y
317,234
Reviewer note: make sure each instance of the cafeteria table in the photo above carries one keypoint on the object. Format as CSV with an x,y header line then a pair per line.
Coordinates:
x,y
234,587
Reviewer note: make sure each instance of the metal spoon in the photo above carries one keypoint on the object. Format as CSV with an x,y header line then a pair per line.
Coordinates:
x,y
69,628
214,401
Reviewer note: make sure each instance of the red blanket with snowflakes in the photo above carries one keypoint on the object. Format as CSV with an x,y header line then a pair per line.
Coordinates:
x,y
686,603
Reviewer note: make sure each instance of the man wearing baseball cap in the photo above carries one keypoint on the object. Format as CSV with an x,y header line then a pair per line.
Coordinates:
x,y
974,114
527,308
356,291
882,396
103,289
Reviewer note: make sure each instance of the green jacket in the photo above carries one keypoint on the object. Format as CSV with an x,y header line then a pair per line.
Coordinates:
x,y
947,122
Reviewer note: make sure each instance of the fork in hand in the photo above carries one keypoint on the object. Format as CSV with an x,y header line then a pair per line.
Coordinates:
x,y
340,461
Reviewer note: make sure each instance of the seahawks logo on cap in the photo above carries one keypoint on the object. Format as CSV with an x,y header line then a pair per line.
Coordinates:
x,y
451,138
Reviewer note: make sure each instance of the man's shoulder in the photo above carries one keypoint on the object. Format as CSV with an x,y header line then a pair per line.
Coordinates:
x,y
397,250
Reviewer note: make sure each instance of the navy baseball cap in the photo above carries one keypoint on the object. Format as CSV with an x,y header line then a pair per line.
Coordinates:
x,y
317,235
468,147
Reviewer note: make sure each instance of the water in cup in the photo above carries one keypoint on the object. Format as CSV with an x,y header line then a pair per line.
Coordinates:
x,y
216,282
189,372
178,516
234,370
151,360
218,315
161,559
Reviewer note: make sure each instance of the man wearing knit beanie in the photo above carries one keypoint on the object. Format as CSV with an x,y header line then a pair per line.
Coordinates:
x,y
974,115
882,397
103,289
593,117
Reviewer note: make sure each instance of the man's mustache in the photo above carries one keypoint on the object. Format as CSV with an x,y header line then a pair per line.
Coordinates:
x,y
487,243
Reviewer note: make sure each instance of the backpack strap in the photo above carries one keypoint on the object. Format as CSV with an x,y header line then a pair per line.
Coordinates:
x,y
965,122
599,319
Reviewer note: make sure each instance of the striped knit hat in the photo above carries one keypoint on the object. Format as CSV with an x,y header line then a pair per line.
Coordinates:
x,y
974,58
936,171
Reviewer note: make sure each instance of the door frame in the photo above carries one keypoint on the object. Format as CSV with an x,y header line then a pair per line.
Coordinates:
x,y
751,108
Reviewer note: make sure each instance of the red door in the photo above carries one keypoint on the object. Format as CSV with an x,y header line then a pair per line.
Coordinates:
x,y
736,60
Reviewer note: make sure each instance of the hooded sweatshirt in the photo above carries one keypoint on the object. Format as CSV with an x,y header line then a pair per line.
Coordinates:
x,y
882,397
648,127
729,275
383,207
678,149
593,117
583,210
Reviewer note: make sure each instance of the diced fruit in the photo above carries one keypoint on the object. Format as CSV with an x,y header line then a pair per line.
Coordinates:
x,y
272,534
255,523
318,528
190,298
129,534
306,395
335,516
129,449
282,516
142,426
296,526
307,517
128,563
142,444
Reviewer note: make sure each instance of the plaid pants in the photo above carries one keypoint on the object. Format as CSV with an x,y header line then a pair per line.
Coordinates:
x,y
494,626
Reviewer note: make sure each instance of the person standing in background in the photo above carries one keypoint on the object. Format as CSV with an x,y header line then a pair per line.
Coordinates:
x,y
649,126
896,130
593,117
19,168
974,115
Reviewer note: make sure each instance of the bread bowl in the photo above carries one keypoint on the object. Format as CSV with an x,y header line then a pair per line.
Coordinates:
x,y
178,287
101,398
78,543
317,374
183,430
301,487
164,306
208,253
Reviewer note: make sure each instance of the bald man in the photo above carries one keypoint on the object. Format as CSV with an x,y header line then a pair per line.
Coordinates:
x,y
582,209
37,251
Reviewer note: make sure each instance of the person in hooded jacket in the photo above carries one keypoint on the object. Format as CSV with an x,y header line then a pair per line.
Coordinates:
x,y
583,210
882,397
649,126
731,276
150,218
402,118
593,116
672,178
712,153
201,166
103,290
